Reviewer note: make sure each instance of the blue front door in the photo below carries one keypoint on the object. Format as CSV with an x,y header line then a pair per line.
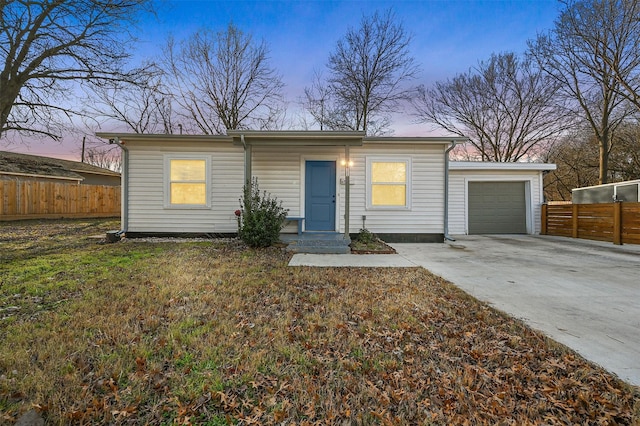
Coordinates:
x,y
320,196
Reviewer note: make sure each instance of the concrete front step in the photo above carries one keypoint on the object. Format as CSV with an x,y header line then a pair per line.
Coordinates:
x,y
293,248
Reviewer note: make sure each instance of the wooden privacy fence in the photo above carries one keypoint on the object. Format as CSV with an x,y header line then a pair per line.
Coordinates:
x,y
618,223
42,200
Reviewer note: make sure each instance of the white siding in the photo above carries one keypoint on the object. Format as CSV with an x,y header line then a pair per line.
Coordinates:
x,y
426,215
280,171
458,184
147,212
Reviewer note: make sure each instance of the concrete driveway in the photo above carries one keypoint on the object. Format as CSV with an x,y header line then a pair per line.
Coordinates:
x,y
584,294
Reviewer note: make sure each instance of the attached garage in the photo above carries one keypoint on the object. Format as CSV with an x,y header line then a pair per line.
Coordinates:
x,y
495,198
497,208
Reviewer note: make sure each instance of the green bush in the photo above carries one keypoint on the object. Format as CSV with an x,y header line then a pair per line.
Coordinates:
x,y
261,217
366,237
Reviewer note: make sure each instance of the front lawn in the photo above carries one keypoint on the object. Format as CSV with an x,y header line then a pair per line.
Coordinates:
x,y
215,333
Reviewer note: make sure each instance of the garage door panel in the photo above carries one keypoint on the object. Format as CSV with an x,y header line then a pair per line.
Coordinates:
x,y
497,208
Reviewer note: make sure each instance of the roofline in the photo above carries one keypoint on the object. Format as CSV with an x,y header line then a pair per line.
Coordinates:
x,y
162,137
296,138
69,165
624,182
296,134
283,138
485,165
80,179
107,172
439,140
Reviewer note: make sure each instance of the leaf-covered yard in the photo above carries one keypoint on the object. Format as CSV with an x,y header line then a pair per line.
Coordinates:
x,y
214,333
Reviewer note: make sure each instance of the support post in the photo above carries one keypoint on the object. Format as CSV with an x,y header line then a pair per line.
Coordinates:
x,y
617,223
347,185
574,220
545,219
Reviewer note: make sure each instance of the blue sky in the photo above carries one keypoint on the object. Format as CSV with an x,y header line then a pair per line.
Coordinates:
x,y
449,36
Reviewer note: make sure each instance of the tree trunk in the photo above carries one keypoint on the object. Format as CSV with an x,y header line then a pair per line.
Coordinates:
x,y
604,159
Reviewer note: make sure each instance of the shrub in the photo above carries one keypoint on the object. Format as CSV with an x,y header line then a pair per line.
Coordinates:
x,y
261,217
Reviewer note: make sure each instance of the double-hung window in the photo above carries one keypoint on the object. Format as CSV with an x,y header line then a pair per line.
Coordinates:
x,y
187,182
388,183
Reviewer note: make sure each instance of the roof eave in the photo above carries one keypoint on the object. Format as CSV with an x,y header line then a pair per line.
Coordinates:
x,y
43,176
435,140
96,172
283,138
296,138
485,165
164,138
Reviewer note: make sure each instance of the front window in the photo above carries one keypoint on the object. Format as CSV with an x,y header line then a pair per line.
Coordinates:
x,y
388,183
187,182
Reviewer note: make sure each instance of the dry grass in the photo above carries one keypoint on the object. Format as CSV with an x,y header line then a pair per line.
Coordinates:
x,y
214,333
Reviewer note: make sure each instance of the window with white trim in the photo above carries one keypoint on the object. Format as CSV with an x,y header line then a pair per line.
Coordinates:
x,y
187,182
388,183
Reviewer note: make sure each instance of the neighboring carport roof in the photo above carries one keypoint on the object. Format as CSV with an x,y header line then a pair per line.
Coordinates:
x,y
17,164
12,163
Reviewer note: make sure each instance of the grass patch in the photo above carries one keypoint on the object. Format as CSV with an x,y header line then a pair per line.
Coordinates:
x,y
214,333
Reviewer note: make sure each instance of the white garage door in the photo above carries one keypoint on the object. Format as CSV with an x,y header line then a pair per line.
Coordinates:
x,y
497,208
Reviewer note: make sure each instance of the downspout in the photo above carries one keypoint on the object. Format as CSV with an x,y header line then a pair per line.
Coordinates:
x,y
125,186
446,191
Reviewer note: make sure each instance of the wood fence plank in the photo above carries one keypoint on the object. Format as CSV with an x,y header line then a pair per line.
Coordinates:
x,y
36,199
595,221
617,230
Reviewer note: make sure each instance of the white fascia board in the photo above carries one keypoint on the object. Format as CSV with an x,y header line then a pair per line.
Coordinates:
x,y
296,138
423,140
162,138
485,165
33,175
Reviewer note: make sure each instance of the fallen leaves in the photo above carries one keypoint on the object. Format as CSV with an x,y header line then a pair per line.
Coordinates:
x,y
215,333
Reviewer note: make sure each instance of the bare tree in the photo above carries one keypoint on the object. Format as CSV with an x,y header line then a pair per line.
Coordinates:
x,y
326,110
368,72
106,156
46,46
142,106
223,81
624,159
578,53
506,106
620,21
575,157
318,102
